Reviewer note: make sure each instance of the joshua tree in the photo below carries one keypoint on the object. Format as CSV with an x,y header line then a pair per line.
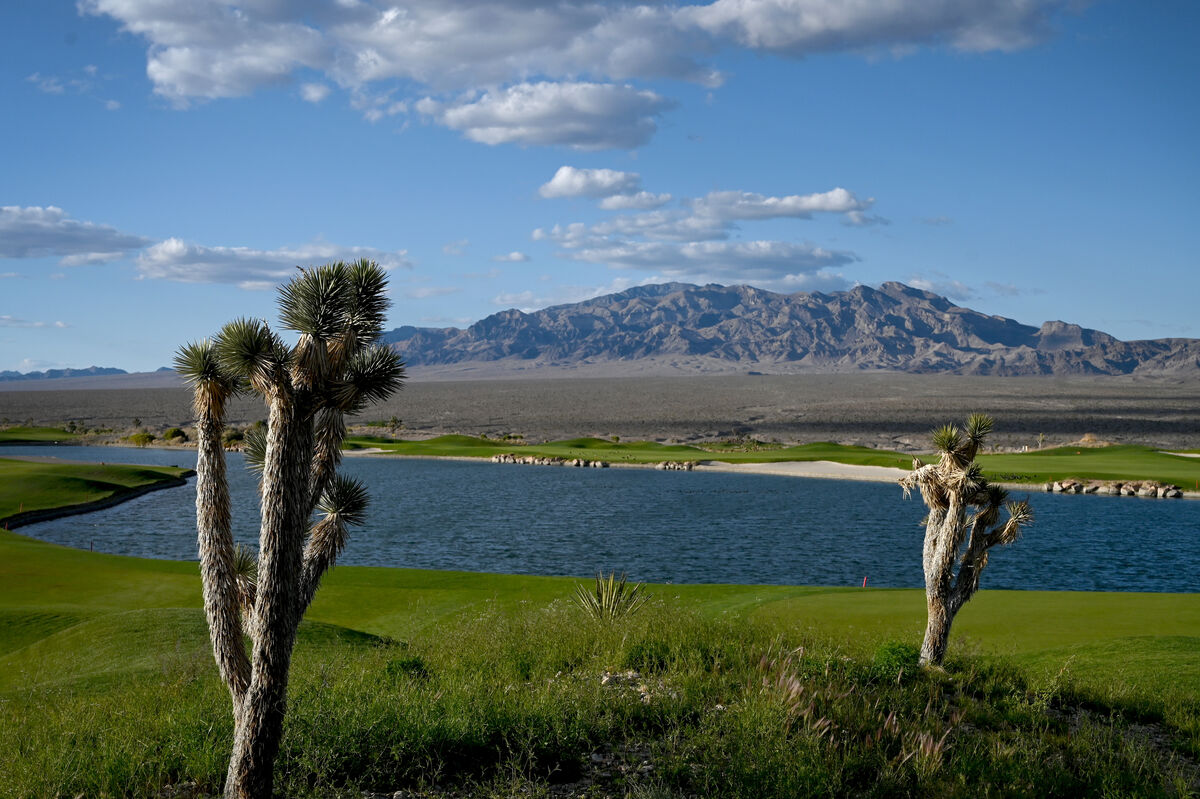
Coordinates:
x,y
962,506
334,368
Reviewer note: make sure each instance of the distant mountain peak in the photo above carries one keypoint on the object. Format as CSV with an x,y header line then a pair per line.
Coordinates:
x,y
735,328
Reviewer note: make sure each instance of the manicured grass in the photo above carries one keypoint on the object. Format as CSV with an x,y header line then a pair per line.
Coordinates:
x,y
40,485
600,449
35,435
404,679
1095,463
1122,462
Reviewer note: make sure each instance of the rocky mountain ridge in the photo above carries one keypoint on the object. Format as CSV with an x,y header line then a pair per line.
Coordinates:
x,y
54,374
894,327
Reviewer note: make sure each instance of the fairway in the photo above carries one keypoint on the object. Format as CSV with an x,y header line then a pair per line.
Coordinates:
x,y
1124,462
32,487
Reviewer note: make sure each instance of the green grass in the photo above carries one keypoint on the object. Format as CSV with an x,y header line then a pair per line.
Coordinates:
x,y
1122,462
35,435
41,485
406,678
602,449
1094,463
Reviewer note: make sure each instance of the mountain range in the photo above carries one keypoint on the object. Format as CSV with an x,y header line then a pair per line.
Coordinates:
x,y
54,374
684,327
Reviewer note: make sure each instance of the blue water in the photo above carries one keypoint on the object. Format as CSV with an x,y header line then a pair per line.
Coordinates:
x,y
684,527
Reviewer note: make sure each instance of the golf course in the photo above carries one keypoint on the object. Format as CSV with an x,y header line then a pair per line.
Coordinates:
x,y
469,684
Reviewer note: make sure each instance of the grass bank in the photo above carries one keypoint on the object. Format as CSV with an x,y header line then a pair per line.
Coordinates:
x,y
1120,462
498,685
32,490
36,435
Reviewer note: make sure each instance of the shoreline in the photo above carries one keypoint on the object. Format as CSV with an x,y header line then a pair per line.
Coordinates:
x,y
49,514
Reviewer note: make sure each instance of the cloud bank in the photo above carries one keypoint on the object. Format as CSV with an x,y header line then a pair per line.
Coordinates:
x,y
523,71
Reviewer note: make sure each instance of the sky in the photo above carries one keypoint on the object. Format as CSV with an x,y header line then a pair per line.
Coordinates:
x,y
164,164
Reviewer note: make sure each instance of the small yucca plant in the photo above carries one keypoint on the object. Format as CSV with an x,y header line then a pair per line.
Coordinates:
x,y
611,599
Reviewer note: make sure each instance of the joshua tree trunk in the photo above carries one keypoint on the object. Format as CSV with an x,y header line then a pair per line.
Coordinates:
x,y
285,478
962,507
334,370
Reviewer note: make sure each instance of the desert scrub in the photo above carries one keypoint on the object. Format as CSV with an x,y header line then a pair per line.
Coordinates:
x,y
501,700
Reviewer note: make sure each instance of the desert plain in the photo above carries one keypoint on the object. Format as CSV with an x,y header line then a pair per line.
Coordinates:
x,y
896,411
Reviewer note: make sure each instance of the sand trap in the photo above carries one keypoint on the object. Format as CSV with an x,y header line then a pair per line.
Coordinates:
x,y
830,469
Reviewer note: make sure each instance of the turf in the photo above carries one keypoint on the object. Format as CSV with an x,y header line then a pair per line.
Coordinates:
x,y
27,485
35,435
1123,462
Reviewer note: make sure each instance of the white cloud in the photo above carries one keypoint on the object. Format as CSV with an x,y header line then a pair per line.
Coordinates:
x,y
12,321
642,200
10,275
37,232
569,181
584,116
943,284
112,105
739,261
804,27
228,48
731,205
512,257
249,268
617,191
456,247
314,92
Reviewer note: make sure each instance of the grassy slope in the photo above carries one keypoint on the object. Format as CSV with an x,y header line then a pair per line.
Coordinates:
x,y
1097,463
35,435
36,485
53,600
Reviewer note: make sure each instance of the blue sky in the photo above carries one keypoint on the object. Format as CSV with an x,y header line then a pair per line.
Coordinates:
x,y
166,163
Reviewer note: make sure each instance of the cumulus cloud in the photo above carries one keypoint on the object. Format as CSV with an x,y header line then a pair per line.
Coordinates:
x,y
569,181
745,259
731,205
207,49
642,200
246,267
617,191
513,257
583,116
708,218
456,247
37,232
804,27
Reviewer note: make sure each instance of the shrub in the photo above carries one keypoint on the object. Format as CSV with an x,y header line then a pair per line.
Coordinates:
x,y
141,439
894,657
174,433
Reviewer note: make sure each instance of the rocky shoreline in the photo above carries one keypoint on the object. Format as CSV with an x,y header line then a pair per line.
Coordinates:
x,y
1132,488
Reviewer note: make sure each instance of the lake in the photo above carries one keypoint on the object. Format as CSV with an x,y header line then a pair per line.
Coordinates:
x,y
684,527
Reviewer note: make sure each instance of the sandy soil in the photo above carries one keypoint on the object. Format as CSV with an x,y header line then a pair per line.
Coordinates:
x,y
875,409
839,471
